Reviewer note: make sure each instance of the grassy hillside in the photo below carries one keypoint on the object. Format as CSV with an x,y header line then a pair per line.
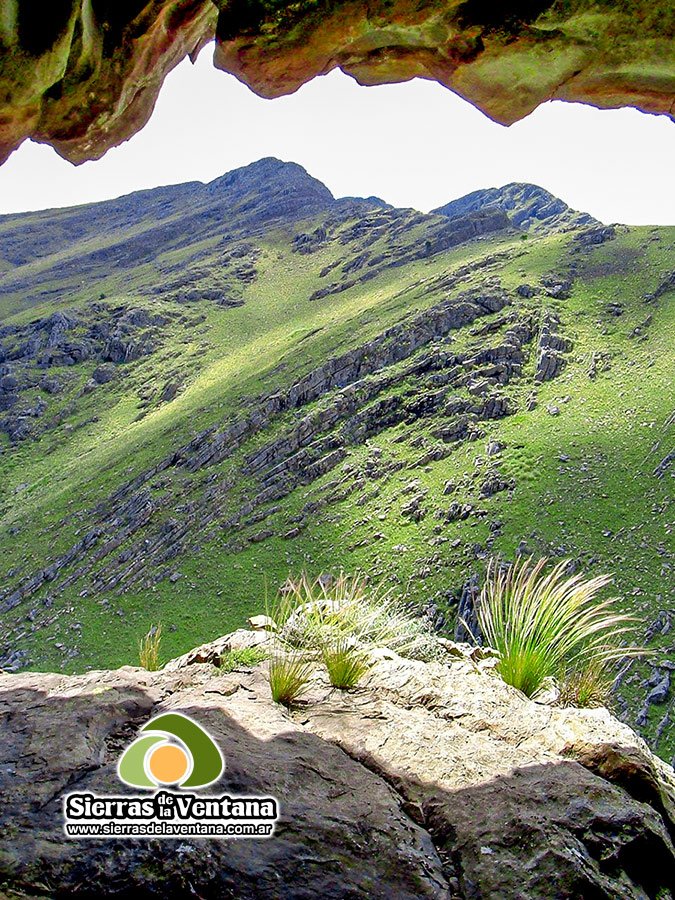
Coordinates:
x,y
281,381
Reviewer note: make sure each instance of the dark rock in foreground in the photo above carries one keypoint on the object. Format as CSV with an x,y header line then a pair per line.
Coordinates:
x,y
431,780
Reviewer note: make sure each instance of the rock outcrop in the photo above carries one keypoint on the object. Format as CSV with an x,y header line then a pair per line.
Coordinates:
x,y
85,76
357,405
528,206
58,342
430,780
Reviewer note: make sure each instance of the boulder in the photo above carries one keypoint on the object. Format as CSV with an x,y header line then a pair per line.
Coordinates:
x,y
262,623
103,374
430,780
213,652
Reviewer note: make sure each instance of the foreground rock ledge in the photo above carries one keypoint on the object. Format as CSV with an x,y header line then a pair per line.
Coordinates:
x,y
84,77
430,780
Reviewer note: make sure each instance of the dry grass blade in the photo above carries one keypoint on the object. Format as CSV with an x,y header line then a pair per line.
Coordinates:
x,y
148,648
311,614
590,685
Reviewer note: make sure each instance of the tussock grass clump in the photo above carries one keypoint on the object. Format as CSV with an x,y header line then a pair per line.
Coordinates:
x,y
336,622
316,613
148,648
589,685
245,657
345,663
289,676
552,626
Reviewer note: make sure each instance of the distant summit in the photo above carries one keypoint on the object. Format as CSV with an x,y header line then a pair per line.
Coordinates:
x,y
270,189
63,249
528,206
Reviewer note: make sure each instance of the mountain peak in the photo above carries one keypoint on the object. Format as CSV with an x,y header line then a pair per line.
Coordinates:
x,y
273,188
528,206
261,174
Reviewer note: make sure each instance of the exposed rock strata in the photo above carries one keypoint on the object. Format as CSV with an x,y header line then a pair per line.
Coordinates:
x,y
111,335
85,76
552,349
358,407
430,780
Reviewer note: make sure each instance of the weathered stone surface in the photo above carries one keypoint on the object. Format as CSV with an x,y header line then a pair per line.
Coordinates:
x,y
85,76
343,832
214,651
429,780
505,58
528,801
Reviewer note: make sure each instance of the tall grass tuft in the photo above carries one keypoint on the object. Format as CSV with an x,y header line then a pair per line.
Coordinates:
x,y
345,663
336,622
148,648
552,626
289,676
313,614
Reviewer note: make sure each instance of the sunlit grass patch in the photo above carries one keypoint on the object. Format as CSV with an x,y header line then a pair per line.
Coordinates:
x,y
242,658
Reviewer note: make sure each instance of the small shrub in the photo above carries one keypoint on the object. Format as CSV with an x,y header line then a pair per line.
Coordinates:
x,y
345,663
148,649
551,626
243,658
289,676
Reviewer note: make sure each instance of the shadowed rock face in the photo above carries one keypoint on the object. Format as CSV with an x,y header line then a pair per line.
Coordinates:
x,y
431,780
84,76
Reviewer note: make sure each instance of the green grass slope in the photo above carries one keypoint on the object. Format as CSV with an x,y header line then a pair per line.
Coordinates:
x,y
202,442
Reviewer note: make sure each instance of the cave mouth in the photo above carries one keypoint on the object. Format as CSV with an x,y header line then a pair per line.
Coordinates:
x,y
85,77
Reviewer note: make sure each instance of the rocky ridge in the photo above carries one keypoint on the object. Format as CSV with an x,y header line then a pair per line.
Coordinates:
x,y
429,780
359,405
529,207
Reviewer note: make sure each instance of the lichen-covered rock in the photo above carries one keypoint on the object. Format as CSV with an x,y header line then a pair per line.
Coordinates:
x,y
85,76
429,780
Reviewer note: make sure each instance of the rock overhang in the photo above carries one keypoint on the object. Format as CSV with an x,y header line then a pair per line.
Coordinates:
x,y
84,76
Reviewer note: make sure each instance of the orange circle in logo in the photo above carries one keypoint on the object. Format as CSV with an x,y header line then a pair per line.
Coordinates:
x,y
168,763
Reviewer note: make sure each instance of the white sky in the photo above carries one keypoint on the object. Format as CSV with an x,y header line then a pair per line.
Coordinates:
x,y
413,144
